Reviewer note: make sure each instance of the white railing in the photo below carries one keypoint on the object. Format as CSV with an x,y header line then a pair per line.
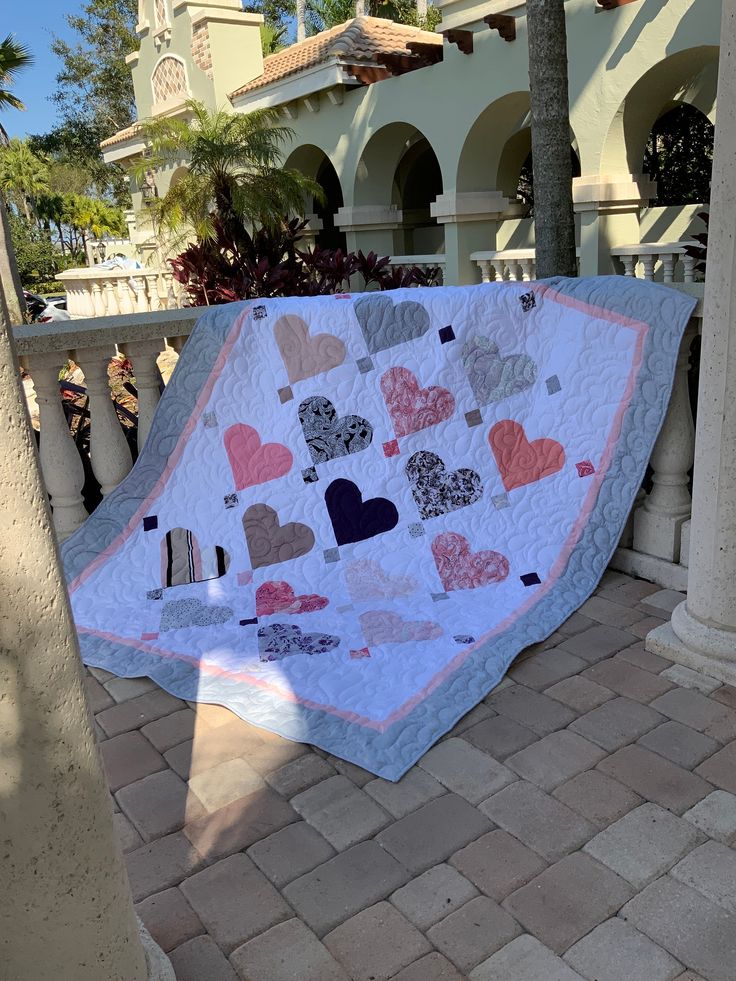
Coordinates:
x,y
646,260
423,262
506,264
96,292
654,544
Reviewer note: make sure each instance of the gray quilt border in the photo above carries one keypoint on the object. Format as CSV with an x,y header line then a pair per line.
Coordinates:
x,y
391,753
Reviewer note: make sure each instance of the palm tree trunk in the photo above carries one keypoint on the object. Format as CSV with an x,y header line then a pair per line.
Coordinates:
x,y
301,20
554,219
10,286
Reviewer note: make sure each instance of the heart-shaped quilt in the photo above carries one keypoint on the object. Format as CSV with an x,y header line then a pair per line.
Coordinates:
x,y
192,612
367,580
437,491
328,435
519,461
269,542
279,597
183,561
353,519
385,323
492,377
460,568
412,407
305,356
251,461
384,627
279,640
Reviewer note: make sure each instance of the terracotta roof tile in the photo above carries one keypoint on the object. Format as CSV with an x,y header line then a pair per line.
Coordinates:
x,y
362,40
121,135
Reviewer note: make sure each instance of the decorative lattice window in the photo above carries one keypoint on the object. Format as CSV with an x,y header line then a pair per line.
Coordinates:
x,y
169,79
159,7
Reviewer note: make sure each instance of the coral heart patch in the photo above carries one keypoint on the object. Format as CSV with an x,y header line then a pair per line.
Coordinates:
x,y
385,323
367,580
251,461
279,597
305,356
183,561
355,520
437,491
460,568
328,435
269,542
384,627
192,613
519,461
279,640
492,377
412,407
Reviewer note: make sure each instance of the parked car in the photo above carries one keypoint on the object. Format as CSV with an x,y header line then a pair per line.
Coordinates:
x,y
44,310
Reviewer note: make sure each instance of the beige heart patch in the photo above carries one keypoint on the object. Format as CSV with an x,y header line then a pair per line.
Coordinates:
x,y
305,356
269,542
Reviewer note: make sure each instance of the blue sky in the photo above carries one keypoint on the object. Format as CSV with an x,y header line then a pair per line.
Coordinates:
x,y
34,22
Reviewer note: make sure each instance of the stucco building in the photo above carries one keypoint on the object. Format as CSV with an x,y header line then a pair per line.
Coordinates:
x,y
420,140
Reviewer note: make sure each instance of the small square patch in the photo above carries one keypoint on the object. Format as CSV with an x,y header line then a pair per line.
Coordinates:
x,y
530,579
500,501
245,578
155,594
151,636
446,334
553,385
309,475
259,313
463,639
230,500
332,555
285,394
473,418
528,301
150,522
416,530
342,296
391,448
346,609
439,596
364,365
585,468
360,654
249,623
209,420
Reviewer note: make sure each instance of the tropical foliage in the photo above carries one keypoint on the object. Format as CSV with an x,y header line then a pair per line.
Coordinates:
x,y
23,176
14,57
233,172
323,14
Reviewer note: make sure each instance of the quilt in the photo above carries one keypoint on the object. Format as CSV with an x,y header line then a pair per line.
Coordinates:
x,y
352,512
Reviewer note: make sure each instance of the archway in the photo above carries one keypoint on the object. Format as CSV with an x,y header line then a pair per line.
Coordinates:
x,y
313,162
679,156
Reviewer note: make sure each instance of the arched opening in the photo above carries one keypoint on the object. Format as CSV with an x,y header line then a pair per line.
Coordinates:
x,y
496,146
399,167
679,156
314,162
524,191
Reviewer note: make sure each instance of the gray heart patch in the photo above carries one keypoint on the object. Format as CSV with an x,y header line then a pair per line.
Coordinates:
x,y
492,377
192,613
280,640
385,323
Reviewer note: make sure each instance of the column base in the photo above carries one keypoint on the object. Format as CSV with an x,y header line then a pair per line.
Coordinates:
x,y
158,964
687,641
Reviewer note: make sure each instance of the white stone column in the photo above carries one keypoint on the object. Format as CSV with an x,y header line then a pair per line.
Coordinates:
x,y
702,632
470,220
370,228
143,354
607,212
108,448
66,910
63,472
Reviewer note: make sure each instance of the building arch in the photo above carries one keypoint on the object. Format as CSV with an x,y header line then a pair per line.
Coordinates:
x,y
496,146
313,162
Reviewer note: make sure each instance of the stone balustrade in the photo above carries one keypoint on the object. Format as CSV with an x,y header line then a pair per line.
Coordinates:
x,y
96,292
648,260
506,264
423,262
654,544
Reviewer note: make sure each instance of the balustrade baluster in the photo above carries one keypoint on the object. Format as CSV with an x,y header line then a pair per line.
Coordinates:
x,y
143,354
111,300
139,287
109,452
61,465
658,523
688,268
629,264
668,260
485,270
648,262
154,300
499,269
527,269
125,301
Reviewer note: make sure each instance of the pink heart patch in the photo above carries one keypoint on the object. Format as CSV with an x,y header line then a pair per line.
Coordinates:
x,y
459,568
383,627
278,597
251,461
367,580
411,407
519,461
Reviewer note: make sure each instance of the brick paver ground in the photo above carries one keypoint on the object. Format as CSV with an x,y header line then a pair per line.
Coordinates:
x,y
580,823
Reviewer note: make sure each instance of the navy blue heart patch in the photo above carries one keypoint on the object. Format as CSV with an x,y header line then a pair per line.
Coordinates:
x,y
355,520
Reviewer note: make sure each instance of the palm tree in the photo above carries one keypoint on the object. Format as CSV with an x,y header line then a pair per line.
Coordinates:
x,y
14,57
554,220
234,171
301,20
23,175
272,39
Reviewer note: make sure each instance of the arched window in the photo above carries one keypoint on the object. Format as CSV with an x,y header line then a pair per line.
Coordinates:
x,y
161,17
679,156
168,79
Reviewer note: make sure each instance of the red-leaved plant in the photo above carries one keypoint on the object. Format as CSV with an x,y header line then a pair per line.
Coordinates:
x,y
268,263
